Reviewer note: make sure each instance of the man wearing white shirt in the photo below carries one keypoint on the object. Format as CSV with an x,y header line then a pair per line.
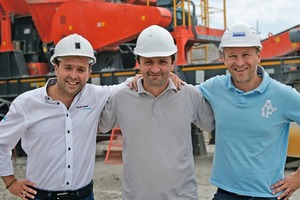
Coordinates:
x,y
58,125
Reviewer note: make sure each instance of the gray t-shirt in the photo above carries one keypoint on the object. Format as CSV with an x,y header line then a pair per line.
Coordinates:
x,y
157,145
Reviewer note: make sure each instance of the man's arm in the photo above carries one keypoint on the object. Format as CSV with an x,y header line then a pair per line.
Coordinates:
x,y
11,129
205,117
108,118
290,183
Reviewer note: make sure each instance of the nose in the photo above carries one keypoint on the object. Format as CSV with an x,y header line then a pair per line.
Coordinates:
x,y
239,61
73,73
155,68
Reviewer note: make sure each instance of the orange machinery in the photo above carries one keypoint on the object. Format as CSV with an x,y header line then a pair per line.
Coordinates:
x,y
106,25
9,9
280,44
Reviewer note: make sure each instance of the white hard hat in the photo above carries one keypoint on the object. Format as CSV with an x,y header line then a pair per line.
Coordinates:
x,y
155,41
240,34
74,45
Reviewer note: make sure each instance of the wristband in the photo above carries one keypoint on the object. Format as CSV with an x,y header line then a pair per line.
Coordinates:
x,y
12,182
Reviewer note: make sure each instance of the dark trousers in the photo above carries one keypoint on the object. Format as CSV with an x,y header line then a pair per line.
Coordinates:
x,y
85,193
225,195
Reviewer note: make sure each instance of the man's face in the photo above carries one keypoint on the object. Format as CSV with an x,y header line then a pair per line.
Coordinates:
x,y
156,71
72,74
242,63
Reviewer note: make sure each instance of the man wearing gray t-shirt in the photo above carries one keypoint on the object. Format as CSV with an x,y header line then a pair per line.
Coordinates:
x,y
156,124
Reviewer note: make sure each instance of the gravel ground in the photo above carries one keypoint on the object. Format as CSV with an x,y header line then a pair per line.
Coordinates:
x,y
108,178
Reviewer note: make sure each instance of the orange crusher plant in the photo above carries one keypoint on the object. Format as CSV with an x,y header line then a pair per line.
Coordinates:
x,y
30,27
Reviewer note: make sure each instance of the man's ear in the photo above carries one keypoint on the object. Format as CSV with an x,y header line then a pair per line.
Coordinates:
x,y
259,56
55,68
90,72
138,66
172,67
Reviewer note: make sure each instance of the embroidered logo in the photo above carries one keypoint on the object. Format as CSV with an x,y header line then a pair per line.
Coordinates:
x,y
84,107
267,109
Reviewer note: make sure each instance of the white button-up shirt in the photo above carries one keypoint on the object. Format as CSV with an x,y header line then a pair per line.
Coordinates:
x,y
60,142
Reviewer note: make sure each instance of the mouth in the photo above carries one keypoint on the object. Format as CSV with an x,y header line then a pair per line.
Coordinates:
x,y
72,82
240,69
154,75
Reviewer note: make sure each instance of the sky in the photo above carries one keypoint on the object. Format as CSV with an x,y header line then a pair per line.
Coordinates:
x,y
267,16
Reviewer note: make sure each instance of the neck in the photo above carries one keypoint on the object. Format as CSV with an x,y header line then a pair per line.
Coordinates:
x,y
249,85
155,90
54,93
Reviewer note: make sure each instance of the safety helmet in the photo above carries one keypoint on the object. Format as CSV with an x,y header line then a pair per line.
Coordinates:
x,y
155,41
240,34
74,45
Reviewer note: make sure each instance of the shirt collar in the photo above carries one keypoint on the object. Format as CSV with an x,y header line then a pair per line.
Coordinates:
x,y
262,86
52,81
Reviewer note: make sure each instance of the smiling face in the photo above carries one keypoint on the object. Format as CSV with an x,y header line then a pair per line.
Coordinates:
x,y
242,64
156,72
72,73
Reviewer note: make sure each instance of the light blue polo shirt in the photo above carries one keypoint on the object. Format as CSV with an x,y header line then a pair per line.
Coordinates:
x,y
251,133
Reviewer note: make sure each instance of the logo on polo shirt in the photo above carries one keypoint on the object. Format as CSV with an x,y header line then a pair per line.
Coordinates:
x,y
267,109
85,107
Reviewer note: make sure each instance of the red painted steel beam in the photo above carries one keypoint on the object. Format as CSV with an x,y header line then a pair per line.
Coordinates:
x,y
106,24
42,12
278,45
9,9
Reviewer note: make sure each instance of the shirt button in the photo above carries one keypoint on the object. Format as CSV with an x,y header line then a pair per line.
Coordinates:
x,y
69,166
68,131
67,115
67,183
69,149
57,103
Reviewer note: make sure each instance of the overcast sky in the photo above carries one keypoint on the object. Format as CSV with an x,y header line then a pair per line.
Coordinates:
x,y
267,16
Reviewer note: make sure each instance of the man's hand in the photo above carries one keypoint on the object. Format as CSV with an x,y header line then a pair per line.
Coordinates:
x,y
176,80
133,83
288,185
20,188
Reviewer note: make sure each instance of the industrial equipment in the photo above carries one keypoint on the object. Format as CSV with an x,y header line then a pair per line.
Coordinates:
x,y
30,27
